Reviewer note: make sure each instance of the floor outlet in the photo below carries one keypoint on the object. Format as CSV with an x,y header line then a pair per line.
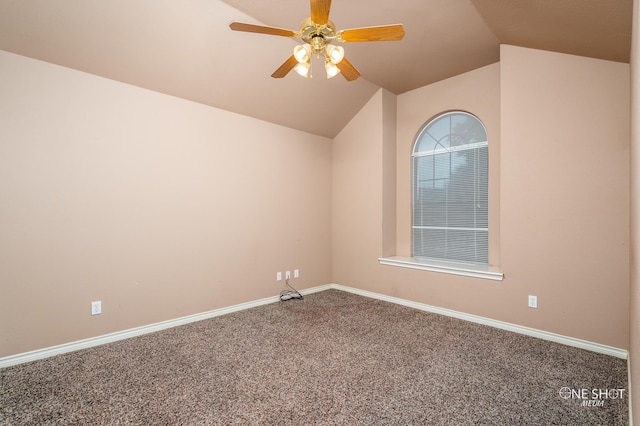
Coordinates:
x,y
96,308
533,301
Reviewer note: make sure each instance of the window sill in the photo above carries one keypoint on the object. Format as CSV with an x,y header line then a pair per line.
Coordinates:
x,y
468,270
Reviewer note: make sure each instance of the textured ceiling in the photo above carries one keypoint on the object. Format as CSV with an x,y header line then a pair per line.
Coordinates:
x,y
185,48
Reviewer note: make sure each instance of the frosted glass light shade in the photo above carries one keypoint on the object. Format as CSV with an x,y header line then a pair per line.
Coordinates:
x,y
335,53
331,68
302,53
303,68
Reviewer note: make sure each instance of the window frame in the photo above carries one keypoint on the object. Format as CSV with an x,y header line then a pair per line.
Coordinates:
x,y
436,150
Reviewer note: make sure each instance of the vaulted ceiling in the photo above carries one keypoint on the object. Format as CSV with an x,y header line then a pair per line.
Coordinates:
x,y
185,48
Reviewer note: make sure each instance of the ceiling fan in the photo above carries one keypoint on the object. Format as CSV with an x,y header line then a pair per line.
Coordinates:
x,y
318,32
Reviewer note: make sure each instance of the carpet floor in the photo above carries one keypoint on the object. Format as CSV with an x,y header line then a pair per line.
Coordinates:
x,y
334,358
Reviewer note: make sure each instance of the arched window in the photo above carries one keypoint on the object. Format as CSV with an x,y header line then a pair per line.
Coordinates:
x,y
450,190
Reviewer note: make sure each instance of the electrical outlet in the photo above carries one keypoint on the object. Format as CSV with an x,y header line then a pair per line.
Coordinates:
x,y
288,275
279,276
533,301
96,308
296,273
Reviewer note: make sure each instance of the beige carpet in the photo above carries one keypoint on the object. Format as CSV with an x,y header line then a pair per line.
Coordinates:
x,y
333,358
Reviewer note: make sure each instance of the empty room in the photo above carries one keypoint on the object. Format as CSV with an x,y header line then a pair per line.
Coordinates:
x,y
319,212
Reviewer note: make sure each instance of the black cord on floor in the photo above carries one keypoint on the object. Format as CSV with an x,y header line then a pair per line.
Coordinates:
x,y
290,294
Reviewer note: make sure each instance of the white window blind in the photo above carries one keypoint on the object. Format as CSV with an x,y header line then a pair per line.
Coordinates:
x,y
450,190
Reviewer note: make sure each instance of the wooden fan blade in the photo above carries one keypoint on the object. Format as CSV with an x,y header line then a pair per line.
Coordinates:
x,y
348,71
320,11
382,33
251,28
285,68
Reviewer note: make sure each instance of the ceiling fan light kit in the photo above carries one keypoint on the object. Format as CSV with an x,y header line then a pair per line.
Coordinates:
x,y
317,33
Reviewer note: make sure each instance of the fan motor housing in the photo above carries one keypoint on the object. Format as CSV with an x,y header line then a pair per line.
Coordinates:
x,y
316,35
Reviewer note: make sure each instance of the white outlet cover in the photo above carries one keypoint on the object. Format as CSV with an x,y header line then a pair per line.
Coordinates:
x,y
533,301
279,276
96,308
296,273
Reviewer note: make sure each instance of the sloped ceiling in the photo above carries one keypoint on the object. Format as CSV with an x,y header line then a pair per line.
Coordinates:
x,y
185,48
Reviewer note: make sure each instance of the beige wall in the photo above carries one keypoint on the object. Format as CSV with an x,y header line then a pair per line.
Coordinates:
x,y
156,206
357,170
558,129
565,191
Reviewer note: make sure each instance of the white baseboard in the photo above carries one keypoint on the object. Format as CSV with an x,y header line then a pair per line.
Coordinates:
x,y
145,329
630,390
558,338
125,334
